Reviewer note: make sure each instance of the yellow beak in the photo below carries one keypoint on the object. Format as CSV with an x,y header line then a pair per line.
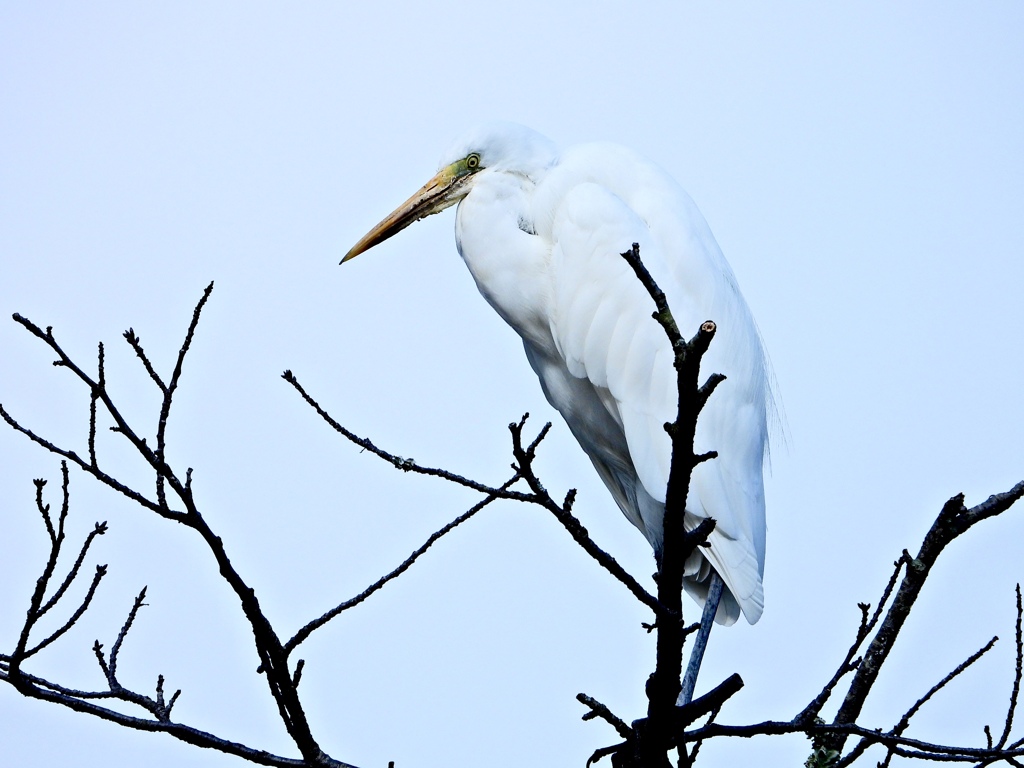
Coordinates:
x,y
444,190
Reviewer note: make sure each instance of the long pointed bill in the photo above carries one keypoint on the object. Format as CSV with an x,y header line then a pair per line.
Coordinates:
x,y
444,190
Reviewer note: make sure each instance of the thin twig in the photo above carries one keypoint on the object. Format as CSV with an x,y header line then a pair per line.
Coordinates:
x,y
597,709
904,722
135,343
562,512
44,511
906,747
1008,725
103,477
101,571
268,646
124,631
80,701
120,425
406,465
98,530
36,608
312,626
604,752
94,395
849,664
686,760
1014,693
953,520
165,405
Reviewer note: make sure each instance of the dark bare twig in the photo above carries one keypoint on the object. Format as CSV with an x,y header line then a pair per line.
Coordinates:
x,y
64,361
172,386
710,701
904,722
643,738
524,470
101,659
272,655
406,465
953,520
895,742
1014,693
12,672
563,513
603,752
849,664
1012,708
159,708
135,343
164,708
124,631
37,609
903,560
904,747
101,571
121,426
597,709
44,509
524,458
98,530
687,759
664,685
662,313
81,701
314,625
93,397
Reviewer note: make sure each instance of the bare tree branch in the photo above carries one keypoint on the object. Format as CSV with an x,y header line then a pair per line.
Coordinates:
x,y
597,709
101,571
273,657
904,722
524,458
172,386
655,736
647,741
1008,725
36,609
136,343
36,688
563,513
314,625
98,530
406,465
953,520
849,664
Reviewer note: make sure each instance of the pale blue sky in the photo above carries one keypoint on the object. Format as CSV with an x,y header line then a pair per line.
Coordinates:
x,y
863,170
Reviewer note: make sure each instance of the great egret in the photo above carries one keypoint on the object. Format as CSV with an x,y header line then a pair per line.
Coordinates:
x,y
542,232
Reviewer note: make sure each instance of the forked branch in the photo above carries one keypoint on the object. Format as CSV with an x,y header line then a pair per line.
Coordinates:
x,y
645,742
281,680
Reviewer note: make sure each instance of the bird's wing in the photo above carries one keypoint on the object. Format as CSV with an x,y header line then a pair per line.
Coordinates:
x,y
603,330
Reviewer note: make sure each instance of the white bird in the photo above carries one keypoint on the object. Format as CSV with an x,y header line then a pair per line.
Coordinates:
x,y
542,232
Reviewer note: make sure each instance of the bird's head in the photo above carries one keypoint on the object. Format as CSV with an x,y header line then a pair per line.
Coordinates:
x,y
489,148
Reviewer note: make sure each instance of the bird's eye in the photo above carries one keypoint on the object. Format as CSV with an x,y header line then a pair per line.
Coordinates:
x,y
473,161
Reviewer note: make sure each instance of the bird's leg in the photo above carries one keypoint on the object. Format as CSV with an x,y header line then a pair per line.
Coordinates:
x,y
707,619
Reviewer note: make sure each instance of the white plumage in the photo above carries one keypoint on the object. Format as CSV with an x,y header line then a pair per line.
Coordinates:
x,y
542,233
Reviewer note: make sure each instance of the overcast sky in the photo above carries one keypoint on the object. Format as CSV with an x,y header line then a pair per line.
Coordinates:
x,y
862,167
